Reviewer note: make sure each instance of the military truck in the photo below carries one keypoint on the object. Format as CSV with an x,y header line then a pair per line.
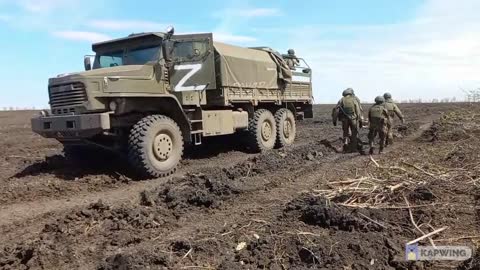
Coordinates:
x,y
150,94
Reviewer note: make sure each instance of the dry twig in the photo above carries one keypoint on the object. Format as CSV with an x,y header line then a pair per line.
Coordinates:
x,y
414,223
427,235
374,221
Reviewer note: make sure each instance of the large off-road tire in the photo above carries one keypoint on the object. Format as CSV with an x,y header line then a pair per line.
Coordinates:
x,y
155,146
286,128
262,131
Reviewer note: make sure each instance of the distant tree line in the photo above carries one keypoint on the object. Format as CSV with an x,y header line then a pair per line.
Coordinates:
x,y
18,108
472,95
435,100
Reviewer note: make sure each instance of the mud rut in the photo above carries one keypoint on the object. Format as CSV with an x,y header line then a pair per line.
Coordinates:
x,y
250,211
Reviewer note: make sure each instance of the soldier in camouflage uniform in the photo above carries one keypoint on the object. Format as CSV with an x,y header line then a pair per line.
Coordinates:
x,y
348,111
358,100
393,110
291,59
378,118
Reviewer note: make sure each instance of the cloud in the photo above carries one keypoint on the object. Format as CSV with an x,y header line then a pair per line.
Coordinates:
x,y
5,18
231,38
224,37
91,37
47,15
429,56
127,25
248,12
38,6
258,12
235,19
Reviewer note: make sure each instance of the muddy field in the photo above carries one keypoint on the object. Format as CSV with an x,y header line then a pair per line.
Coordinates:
x,y
305,207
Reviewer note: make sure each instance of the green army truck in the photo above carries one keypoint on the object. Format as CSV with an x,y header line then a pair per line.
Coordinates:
x,y
148,95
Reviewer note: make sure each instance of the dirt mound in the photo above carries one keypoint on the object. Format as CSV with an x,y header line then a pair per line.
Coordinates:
x,y
143,259
336,252
329,238
210,187
321,212
199,190
422,193
454,126
407,129
442,131
98,224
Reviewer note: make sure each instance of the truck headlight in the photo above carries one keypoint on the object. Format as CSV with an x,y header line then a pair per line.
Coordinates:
x,y
112,105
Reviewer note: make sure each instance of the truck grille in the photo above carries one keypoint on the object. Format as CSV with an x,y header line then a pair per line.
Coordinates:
x,y
66,95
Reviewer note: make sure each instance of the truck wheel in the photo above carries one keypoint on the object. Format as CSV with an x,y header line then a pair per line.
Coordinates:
x,y
155,146
262,131
286,128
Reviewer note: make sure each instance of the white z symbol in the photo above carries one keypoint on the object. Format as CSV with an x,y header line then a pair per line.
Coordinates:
x,y
194,68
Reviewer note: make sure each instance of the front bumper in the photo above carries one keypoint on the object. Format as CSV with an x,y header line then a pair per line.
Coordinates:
x,y
71,126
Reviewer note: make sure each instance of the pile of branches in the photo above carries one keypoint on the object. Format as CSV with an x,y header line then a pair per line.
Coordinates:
x,y
382,188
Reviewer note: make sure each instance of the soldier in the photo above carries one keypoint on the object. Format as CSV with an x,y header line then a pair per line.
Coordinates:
x,y
291,59
378,118
393,110
358,100
348,111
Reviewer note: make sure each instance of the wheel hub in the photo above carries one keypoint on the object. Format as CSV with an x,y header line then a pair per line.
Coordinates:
x,y
162,146
266,131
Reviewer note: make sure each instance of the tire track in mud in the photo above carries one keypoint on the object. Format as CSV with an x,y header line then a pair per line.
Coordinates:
x,y
14,217
121,189
17,212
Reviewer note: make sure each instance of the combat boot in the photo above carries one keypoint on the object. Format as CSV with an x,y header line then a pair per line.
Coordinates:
x,y
346,144
360,149
389,141
371,151
380,150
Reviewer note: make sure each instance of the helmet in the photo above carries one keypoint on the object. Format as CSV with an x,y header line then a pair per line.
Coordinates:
x,y
379,100
387,95
348,91
291,52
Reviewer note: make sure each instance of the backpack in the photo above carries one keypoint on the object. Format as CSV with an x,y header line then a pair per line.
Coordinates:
x,y
348,106
390,106
377,114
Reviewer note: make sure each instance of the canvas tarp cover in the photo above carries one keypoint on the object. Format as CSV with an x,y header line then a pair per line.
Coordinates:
x,y
246,68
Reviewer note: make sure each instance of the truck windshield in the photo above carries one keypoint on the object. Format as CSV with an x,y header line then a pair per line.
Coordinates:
x,y
128,56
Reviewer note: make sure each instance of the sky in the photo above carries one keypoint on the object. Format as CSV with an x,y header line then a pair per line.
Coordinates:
x,y
415,49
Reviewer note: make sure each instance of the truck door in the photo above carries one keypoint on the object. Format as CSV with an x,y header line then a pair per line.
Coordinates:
x,y
193,62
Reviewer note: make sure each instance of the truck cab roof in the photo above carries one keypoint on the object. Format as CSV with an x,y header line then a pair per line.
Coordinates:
x,y
128,38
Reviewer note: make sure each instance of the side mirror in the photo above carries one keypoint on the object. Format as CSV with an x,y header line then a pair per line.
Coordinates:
x,y
87,62
307,70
